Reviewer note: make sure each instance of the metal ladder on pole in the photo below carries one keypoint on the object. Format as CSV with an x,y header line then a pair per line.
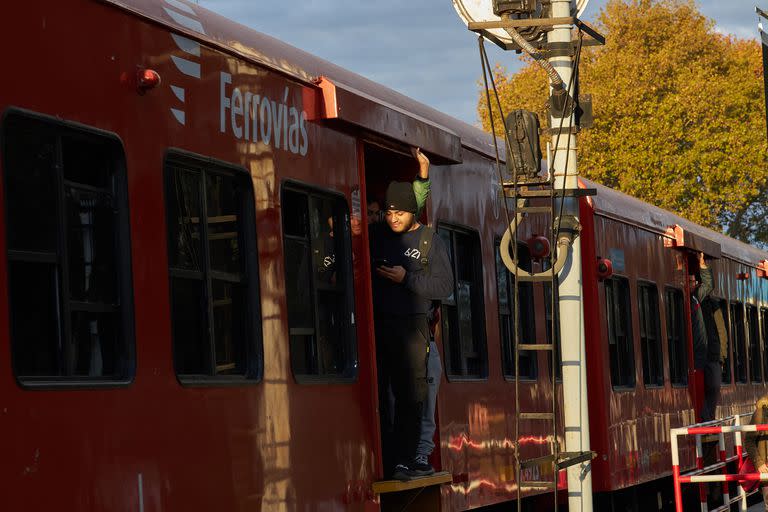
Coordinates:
x,y
522,192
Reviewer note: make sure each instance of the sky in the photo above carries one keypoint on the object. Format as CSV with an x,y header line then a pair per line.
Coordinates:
x,y
417,47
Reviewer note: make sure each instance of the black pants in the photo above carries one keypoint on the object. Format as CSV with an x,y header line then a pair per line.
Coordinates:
x,y
401,347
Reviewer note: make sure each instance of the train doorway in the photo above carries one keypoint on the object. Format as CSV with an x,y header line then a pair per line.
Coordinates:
x,y
385,163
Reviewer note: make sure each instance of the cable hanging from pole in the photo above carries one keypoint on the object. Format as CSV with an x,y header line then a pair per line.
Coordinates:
x,y
563,244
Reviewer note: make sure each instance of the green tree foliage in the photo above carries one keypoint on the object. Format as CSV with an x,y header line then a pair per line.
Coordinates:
x,y
679,114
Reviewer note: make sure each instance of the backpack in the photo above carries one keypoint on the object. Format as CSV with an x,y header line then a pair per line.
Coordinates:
x,y
425,244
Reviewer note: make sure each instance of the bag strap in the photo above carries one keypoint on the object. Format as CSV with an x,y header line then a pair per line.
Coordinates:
x,y
425,244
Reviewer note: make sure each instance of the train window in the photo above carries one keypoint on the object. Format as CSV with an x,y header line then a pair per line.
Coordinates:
x,y
755,361
620,343
463,313
739,341
526,325
68,249
676,346
213,271
721,306
764,338
650,336
319,284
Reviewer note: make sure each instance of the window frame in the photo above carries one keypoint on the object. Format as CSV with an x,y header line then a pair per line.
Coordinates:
x,y
629,334
683,337
253,344
526,337
756,342
723,305
763,320
656,318
478,310
125,310
733,329
351,374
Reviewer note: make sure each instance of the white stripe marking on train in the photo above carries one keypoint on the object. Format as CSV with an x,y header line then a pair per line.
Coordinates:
x,y
187,45
185,21
187,67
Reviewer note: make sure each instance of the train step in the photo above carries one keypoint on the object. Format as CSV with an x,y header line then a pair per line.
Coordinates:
x,y
389,486
417,495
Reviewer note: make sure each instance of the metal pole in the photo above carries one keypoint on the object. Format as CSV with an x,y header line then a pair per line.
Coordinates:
x,y
700,465
740,455
576,410
676,471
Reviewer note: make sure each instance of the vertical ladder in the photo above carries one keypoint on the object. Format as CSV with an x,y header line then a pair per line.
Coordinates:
x,y
522,191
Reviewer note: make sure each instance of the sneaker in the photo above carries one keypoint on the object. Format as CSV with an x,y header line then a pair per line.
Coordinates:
x,y
421,467
416,469
402,473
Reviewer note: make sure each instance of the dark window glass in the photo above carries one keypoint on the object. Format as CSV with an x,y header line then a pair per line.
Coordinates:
x,y
755,359
463,312
213,269
68,252
526,314
676,344
739,341
620,343
764,338
319,284
650,337
722,306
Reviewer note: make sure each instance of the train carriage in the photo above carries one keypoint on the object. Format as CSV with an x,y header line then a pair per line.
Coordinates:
x,y
170,183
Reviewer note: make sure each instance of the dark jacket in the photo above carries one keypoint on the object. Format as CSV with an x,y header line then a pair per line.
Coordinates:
x,y
415,294
698,327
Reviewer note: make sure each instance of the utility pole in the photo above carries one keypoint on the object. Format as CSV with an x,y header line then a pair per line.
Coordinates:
x,y
565,167
517,25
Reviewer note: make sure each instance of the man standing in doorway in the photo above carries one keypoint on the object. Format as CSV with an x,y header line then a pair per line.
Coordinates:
x,y
706,351
405,285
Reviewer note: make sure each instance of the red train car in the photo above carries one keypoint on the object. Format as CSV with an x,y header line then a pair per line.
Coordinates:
x,y
172,342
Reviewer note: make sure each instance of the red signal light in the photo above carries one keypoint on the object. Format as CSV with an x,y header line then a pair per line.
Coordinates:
x,y
604,269
147,79
538,246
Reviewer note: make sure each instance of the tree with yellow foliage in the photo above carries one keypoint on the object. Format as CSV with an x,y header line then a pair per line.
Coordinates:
x,y
679,114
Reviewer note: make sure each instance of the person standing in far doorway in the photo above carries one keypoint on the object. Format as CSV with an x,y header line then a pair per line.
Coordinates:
x,y
706,355
403,291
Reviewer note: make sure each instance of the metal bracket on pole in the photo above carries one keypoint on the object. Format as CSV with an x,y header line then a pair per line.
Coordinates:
x,y
555,49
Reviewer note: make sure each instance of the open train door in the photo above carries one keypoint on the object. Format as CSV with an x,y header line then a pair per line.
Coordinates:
x,y
384,162
386,135
690,245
